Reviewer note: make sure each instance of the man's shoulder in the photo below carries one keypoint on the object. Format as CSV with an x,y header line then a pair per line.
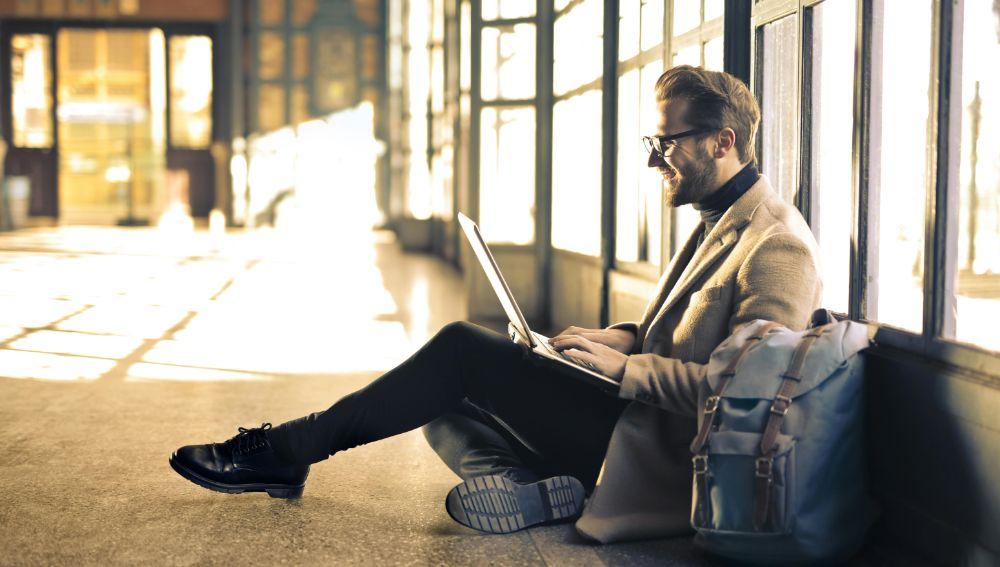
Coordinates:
x,y
775,216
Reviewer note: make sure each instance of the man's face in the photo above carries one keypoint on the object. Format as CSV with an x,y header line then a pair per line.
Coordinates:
x,y
688,170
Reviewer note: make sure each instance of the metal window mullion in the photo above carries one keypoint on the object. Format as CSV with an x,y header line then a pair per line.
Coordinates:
x,y
940,240
609,135
737,35
544,69
866,160
803,194
286,31
505,22
668,216
593,85
475,107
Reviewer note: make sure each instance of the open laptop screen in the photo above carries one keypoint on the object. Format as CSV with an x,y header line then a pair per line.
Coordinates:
x,y
496,278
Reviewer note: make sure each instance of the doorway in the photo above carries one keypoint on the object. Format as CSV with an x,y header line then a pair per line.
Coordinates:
x,y
111,120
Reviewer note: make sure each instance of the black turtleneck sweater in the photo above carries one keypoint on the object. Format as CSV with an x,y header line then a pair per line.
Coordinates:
x,y
715,205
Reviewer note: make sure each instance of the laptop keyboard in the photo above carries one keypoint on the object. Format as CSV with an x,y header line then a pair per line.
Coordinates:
x,y
544,341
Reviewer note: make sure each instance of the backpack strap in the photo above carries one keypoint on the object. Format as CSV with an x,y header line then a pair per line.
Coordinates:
x,y
700,459
764,473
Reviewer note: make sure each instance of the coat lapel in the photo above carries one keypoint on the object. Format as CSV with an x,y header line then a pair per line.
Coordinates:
x,y
716,245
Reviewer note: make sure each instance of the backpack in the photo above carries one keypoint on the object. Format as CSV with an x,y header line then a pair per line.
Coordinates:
x,y
779,472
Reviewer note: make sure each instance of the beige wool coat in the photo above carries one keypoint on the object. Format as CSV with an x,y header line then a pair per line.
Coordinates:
x,y
759,262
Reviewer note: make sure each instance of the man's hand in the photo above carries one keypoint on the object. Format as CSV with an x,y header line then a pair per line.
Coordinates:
x,y
621,340
602,358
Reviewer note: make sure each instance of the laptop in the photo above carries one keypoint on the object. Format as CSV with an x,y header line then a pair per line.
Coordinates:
x,y
539,344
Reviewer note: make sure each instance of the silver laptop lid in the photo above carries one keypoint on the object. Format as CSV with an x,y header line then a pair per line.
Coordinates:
x,y
496,278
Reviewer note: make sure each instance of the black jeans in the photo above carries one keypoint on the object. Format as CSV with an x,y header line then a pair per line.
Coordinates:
x,y
487,404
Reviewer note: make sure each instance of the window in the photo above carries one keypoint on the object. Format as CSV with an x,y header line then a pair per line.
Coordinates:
x,y
504,9
31,97
831,121
977,284
696,40
778,94
576,137
905,115
418,193
508,64
639,190
507,122
190,91
507,169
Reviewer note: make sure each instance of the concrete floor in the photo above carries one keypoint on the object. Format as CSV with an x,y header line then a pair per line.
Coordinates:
x,y
119,345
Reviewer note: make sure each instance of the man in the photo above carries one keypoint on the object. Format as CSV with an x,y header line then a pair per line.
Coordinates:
x,y
528,442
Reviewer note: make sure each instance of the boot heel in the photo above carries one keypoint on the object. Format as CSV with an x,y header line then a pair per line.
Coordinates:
x,y
293,492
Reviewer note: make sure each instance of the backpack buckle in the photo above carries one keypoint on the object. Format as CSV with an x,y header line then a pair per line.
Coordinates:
x,y
700,463
765,467
781,405
711,404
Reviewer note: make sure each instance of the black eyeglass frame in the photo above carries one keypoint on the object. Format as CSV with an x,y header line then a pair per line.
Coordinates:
x,y
656,143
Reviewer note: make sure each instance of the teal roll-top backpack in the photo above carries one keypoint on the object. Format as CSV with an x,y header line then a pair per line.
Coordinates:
x,y
779,470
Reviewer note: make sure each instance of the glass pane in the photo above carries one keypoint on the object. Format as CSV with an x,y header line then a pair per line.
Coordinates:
x,y
495,9
978,285
631,159
302,11
832,131
576,174
690,55
300,56
652,24
507,174
906,68
272,56
465,55
713,54
714,9
508,62
31,100
270,107
272,12
579,47
686,219
650,180
300,104
628,29
687,16
779,130
190,91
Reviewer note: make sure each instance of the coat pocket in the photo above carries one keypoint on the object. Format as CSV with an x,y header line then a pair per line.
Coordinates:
x,y
724,496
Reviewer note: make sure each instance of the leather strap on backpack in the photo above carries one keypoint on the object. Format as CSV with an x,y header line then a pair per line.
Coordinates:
x,y
700,459
764,469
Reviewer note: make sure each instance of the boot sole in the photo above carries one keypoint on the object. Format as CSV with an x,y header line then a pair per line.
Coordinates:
x,y
494,504
272,490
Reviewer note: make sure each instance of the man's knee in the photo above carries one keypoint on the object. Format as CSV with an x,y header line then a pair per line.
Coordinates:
x,y
456,329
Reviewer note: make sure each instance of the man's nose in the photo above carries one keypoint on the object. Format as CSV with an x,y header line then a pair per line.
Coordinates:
x,y
655,159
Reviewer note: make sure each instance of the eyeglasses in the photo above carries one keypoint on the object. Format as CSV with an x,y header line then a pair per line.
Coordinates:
x,y
664,145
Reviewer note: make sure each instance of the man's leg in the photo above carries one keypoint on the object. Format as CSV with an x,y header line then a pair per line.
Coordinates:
x,y
473,443
553,414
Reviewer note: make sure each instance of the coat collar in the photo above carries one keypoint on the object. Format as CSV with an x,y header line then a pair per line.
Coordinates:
x,y
717,243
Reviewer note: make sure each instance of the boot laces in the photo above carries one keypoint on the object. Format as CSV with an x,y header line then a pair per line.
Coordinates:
x,y
249,440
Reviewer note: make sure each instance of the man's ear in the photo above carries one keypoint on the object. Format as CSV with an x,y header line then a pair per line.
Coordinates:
x,y
725,141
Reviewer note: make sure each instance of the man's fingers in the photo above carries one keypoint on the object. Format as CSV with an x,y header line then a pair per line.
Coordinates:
x,y
583,357
574,341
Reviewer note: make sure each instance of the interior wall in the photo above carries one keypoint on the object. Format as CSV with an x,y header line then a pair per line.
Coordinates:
x,y
934,454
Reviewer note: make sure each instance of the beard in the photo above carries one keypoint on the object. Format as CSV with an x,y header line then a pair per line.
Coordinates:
x,y
691,182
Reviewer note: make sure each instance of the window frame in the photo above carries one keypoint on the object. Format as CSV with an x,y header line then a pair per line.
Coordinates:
x,y
941,198
642,267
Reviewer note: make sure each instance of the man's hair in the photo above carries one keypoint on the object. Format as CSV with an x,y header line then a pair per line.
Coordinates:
x,y
716,100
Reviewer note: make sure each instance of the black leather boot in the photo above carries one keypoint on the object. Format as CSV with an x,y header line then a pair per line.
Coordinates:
x,y
245,463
